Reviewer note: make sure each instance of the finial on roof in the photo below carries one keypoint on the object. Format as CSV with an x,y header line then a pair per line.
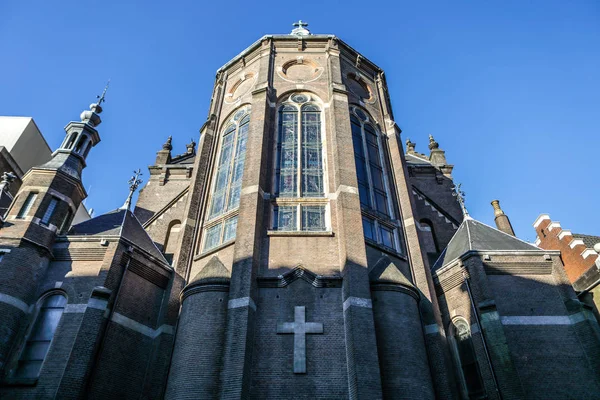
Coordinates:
x,y
191,147
91,116
300,28
460,197
432,143
410,146
101,98
168,145
8,178
134,183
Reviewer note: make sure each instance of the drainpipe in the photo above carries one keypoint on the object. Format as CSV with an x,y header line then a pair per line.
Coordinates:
x,y
485,347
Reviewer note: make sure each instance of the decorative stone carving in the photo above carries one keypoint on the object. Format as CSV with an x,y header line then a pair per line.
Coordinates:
x,y
300,70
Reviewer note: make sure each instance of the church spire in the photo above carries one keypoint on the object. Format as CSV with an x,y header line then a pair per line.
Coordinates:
x,y
134,183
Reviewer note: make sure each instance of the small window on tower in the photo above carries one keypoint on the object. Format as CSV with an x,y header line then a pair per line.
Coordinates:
x,y
27,205
49,211
64,227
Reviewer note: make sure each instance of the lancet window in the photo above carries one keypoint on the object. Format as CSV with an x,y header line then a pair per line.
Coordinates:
x,y
379,222
41,335
222,213
300,203
465,353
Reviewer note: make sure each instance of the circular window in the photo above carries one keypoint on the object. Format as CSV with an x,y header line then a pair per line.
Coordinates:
x,y
360,114
239,115
300,98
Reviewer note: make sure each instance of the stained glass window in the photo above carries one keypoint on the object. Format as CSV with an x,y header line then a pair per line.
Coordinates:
x,y
40,337
230,169
227,184
299,166
373,189
313,218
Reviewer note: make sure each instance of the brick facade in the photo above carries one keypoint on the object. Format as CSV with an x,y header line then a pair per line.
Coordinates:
x,y
154,312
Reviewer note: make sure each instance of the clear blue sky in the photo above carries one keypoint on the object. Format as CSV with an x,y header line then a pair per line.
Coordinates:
x,y
510,89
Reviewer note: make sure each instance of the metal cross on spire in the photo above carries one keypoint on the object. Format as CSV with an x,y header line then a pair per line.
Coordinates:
x,y
134,183
101,97
460,197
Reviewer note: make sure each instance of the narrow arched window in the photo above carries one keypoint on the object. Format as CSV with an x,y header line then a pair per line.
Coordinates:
x,y
300,202
471,377
380,225
40,337
222,216
82,140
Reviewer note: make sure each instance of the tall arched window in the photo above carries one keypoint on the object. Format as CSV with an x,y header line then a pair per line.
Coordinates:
x,y
466,357
40,336
379,222
300,203
225,200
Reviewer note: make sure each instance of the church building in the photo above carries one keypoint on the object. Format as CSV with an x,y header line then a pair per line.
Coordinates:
x,y
296,251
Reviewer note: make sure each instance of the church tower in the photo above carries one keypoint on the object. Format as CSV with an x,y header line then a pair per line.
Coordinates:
x,y
43,208
301,267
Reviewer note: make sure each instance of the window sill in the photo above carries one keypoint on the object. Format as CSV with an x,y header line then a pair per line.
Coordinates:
x,y
385,249
214,249
299,233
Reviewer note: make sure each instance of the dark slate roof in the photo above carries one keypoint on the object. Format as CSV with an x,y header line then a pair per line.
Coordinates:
x,y
184,158
385,271
122,223
474,235
108,224
413,159
213,272
588,240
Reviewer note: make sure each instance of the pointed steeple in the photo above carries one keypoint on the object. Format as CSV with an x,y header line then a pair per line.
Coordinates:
x,y
80,137
134,183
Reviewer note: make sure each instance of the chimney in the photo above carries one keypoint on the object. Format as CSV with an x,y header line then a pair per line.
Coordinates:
x,y
502,221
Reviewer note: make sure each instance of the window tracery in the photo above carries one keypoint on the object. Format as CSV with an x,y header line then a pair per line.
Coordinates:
x,y
300,203
227,184
374,188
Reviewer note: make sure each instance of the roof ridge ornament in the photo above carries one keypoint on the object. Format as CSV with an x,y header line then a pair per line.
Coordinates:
x,y
134,183
460,197
300,28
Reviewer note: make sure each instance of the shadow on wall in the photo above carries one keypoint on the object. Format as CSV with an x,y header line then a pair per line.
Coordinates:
x,y
548,334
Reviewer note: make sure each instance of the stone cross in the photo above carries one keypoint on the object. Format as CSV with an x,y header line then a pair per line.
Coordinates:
x,y
300,328
300,24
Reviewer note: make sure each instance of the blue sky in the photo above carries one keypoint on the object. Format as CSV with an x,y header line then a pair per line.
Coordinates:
x,y
511,89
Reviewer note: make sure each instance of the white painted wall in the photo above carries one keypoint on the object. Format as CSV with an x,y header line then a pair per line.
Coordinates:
x,y
24,141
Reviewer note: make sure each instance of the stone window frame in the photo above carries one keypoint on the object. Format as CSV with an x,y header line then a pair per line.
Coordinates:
x,y
12,378
459,319
299,201
381,222
30,199
236,118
